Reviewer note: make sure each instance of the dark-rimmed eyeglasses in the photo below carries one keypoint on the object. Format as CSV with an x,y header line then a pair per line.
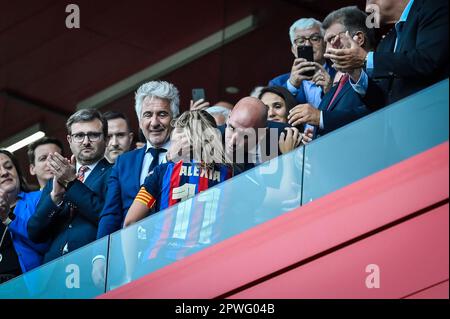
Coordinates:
x,y
92,137
315,38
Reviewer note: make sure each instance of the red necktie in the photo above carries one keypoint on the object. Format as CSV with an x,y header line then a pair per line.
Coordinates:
x,y
342,82
81,172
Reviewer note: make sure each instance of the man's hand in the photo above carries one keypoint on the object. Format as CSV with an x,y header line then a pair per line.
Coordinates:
x,y
304,113
63,170
57,192
4,205
180,148
199,105
350,57
322,78
308,136
299,67
289,140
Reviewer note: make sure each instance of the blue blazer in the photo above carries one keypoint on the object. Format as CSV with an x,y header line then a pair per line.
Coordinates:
x,y
348,106
51,222
123,186
30,254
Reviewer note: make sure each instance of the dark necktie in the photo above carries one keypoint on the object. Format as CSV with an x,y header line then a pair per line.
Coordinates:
x,y
155,153
342,82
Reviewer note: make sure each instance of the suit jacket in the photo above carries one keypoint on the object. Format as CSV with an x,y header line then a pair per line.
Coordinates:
x,y
348,106
123,186
30,254
421,58
52,222
274,127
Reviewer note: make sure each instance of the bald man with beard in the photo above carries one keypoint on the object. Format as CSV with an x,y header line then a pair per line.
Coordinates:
x,y
249,138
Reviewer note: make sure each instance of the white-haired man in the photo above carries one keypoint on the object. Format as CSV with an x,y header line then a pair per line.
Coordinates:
x,y
307,89
157,103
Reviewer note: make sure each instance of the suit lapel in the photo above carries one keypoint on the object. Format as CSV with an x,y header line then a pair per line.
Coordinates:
x,y
408,25
98,171
138,168
327,98
344,90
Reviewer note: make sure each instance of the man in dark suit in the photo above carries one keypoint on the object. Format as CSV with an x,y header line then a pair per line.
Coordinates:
x,y
341,105
157,103
69,209
248,137
411,57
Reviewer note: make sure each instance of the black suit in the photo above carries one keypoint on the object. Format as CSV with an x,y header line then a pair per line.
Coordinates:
x,y
269,138
420,60
348,106
54,223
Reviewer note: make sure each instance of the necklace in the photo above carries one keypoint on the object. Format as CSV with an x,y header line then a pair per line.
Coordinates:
x,y
1,242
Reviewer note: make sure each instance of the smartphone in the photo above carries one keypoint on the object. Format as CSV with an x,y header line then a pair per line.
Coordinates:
x,y
198,94
306,52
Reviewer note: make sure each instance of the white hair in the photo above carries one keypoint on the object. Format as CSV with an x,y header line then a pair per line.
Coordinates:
x,y
304,24
160,90
217,109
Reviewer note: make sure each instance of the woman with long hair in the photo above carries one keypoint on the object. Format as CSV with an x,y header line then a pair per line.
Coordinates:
x,y
18,254
201,165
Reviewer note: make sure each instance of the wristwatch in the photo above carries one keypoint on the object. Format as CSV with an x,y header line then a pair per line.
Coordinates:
x,y
9,219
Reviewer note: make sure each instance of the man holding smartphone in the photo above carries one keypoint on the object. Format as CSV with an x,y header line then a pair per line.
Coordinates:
x,y
305,86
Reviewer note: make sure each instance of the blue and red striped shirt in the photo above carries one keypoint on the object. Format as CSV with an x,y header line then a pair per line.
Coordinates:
x,y
169,183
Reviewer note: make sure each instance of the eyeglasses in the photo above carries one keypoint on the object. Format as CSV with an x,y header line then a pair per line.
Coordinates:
x,y
315,38
92,137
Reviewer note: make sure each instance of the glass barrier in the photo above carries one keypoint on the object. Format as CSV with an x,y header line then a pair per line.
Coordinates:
x,y
377,141
225,210
373,143
70,276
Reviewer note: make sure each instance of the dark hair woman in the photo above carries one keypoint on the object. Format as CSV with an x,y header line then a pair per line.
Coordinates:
x,y
279,101
18,254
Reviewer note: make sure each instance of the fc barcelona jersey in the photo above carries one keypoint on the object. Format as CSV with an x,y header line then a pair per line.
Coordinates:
x,y
170,183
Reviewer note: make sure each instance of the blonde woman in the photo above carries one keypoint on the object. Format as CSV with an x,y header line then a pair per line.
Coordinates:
x,y
200,166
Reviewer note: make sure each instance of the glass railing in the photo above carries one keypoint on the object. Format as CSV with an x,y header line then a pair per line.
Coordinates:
x,y
355,151
376,141
68,277
214,215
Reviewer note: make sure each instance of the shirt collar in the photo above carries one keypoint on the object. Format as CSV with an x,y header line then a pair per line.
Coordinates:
x,y
91,166
405,13
165,146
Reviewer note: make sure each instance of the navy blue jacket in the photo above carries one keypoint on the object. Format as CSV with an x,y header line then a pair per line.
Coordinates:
x,y
54,223
421,58
272,126
348,106
123,186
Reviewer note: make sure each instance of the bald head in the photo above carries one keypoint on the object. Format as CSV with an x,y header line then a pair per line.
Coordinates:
x,y
249,112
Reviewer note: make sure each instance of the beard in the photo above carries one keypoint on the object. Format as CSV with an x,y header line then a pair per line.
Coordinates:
x,y
89,158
